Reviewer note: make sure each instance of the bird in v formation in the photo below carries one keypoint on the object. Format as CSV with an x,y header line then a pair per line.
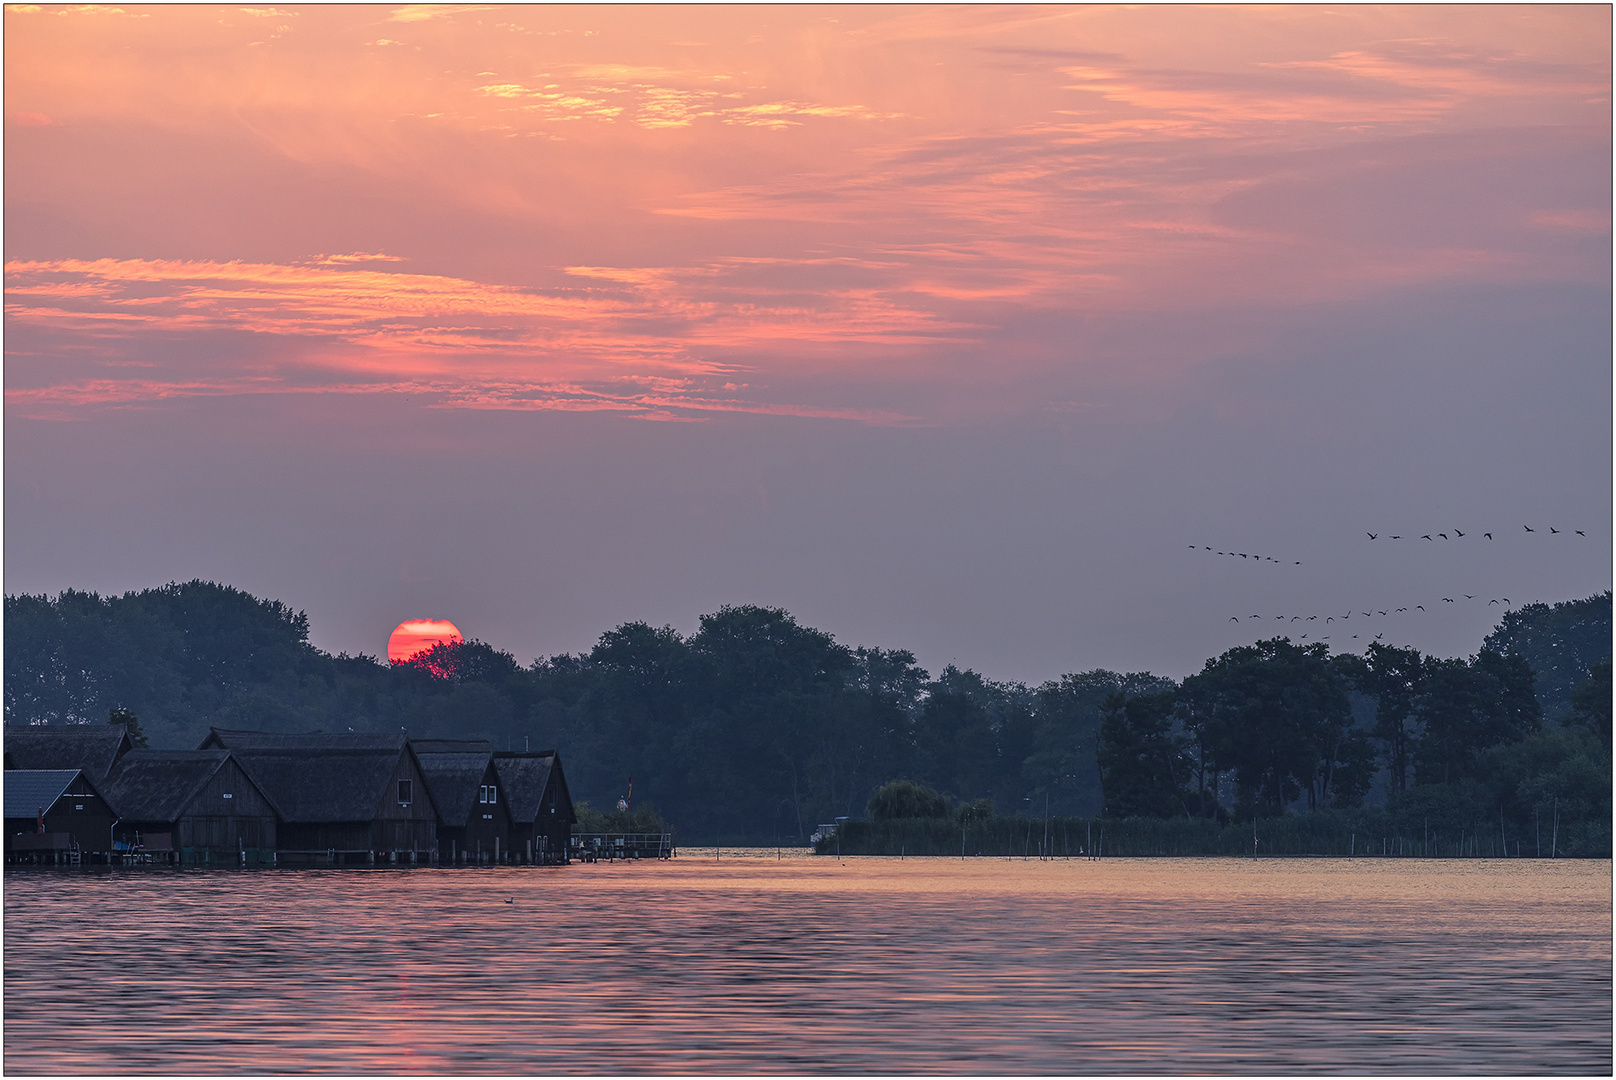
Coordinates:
x,y
1376,613
1460,533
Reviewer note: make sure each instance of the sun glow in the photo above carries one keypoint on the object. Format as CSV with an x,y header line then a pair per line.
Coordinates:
x,y
414,636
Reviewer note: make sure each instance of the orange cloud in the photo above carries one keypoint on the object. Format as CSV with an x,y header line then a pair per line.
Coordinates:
x,y
584,195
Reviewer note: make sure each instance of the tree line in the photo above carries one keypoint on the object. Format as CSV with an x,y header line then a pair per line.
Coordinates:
x,y
755,727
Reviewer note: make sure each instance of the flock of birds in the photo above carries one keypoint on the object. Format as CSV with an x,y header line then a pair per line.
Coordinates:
x,y
1328,620
1243,555
1433,537
1457,533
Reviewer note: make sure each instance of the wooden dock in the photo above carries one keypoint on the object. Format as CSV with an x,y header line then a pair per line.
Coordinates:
x,y
609,847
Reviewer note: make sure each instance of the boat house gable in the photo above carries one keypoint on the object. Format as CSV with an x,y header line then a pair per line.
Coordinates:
x,y
76,818
541,806
199,804
350,794
474,818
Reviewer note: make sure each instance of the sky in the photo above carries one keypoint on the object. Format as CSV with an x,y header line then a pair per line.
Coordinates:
x,y
949,329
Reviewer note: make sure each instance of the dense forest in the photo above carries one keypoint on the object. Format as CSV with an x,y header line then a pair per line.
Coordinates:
x,y
756,728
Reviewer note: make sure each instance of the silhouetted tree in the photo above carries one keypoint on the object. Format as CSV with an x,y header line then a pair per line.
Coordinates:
x,y
1144,768
906,799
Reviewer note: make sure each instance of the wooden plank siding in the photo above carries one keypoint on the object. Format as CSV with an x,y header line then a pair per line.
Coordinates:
x,y
541,807
228,815
78,820
199,804
406,826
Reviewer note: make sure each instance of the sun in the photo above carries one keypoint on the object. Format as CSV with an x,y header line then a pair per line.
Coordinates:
x,y
418,635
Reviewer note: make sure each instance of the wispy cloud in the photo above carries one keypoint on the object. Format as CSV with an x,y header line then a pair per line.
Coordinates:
x,y
472,344
414,13
868,190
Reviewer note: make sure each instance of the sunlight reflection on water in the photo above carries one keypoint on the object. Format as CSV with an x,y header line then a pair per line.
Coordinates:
x,y
744,963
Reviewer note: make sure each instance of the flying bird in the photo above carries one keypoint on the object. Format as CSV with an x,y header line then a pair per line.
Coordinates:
x,y
1552,529
1427,536
1330,619
1298,564
1488,535
1379,636
1295,617
1528,528
1579,532
1383,613
1372,536
1443,535
1365,614
1397,538
1506,600
1456,532
1490,603
1447,599
1467,596
1402,609
1234,618
1419,607
1310,618
1354,637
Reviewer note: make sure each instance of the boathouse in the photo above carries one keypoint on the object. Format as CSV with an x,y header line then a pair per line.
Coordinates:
x,y
191,807
55,816
535,788
474,819
94,748
339,797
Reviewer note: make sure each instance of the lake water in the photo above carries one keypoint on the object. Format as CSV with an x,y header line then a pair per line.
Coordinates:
x,y
752,965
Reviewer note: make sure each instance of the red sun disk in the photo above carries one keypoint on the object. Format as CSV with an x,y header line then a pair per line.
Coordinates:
x,y
417,636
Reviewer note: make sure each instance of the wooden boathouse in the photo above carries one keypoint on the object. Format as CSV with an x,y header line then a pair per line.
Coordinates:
x,y
339,797
193,807
542,817
474,818
55,817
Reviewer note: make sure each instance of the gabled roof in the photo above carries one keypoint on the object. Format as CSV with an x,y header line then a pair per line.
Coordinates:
x,y
157,785
95,748
231,739
453,778
28,791
317,784
525,776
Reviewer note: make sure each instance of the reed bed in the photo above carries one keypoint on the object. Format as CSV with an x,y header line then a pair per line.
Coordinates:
x,y
1368,834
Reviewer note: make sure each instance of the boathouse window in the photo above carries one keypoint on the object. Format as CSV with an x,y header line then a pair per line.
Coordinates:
x,y
488,793
406,792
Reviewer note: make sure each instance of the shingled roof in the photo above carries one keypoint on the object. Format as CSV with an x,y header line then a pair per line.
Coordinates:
x,y
524,777
95,748
28,791
453,777
157,785
319,784
452,746
231,739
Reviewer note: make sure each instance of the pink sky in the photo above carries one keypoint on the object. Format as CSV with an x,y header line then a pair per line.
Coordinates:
x,y
904,217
